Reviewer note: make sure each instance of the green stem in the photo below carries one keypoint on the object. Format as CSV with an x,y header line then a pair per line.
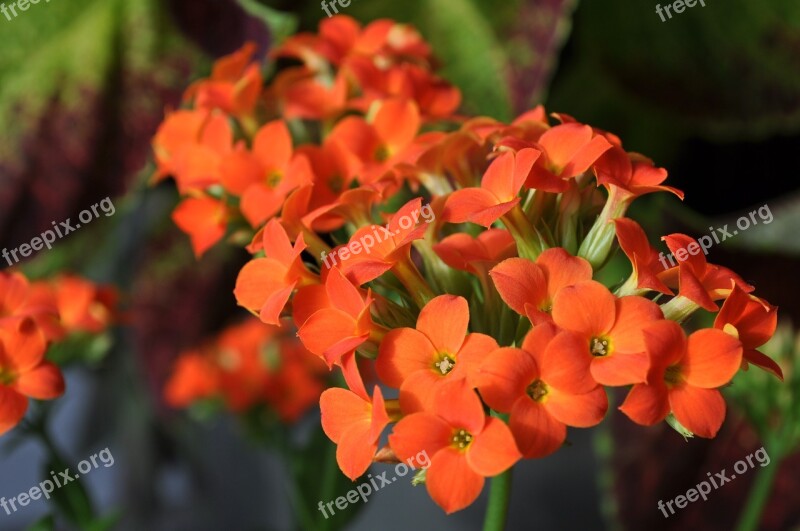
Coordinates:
x,y
329,482
499,495
757,499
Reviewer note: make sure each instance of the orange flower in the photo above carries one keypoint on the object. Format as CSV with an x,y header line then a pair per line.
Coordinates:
x,y
193,378
696,279
463,444
298,93
382,143
684,377
752,321
644,259
373,250
499,191
243,370
190,146
537,386
19,298
568,150
24,372
609,331
204,219
234,86
476,255
84,306
632,174
529,287
335,319
264,176
355,423
435,97
264,285
420,360
297,379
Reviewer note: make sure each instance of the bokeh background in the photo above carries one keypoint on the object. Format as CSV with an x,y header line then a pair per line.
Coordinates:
x,y
712,94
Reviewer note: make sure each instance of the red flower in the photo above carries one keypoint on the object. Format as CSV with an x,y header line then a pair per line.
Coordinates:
x,y
499,191
420,360
752,321
354,423
537,386
264,285
264,176
530,287
24,372
463,444
568,150
683,378
608,331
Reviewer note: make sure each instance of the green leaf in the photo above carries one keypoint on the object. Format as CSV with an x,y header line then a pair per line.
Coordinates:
x,y
105,523
472,56
71,498
281,25
47,523
680,428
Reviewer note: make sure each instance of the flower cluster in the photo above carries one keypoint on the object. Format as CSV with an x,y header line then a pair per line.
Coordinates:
x,y
34,315
246,365
488,325
346,69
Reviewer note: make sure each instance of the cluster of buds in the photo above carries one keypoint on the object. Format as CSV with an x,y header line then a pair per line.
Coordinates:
x,y
248,365
484,316
34,315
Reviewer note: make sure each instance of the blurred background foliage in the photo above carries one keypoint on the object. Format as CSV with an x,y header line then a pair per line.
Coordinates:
x,y
712,94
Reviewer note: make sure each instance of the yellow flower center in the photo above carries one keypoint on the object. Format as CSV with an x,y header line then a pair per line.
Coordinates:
x,y
7,377
382,153
274,178
599,346
462,439
336,183
673,375
538,391
445,364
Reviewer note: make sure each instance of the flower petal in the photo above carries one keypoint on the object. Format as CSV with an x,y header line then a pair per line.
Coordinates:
x,y
404,351
537,433
587,308
45,382
621,369
579,410
12,408
419,432
647,404
493,451
701,411
445,320
712,358
504,376
520,281
451,482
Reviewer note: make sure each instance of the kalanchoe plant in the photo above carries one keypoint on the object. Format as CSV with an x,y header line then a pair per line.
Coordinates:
x,y
488,331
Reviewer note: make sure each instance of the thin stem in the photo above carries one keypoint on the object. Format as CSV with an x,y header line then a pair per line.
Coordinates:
x,y
757,499
329,481
415,283
499,496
